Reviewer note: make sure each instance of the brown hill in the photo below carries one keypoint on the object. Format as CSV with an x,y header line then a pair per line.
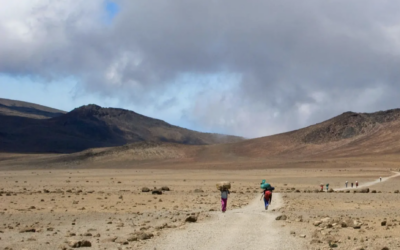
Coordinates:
x,y
26,109
347,135
91,127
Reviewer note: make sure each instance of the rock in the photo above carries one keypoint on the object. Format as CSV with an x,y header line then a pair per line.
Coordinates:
x,y
364,190
79,243
396,191
359,248
191,219
142,236
121,241
317,223
156,191
110,239
281,217
331,190
28,230
145,189
302,236
343,224
198,191
373,191
326,219
165,189
385,248
383,223
132,238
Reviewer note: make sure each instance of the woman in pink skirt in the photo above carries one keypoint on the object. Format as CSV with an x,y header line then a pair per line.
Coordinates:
x,y
224,199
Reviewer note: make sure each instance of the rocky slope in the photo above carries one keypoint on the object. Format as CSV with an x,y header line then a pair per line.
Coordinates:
x,y
26,109
92,126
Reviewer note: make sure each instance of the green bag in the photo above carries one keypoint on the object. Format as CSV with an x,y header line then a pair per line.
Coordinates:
x,y
264,185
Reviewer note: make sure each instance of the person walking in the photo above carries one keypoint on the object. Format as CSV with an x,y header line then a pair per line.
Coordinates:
x,y
224,199
347,183
352,184
267,194
380,178
322,187
327,187
356,184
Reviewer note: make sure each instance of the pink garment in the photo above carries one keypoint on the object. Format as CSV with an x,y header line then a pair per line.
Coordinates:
x,y
224,202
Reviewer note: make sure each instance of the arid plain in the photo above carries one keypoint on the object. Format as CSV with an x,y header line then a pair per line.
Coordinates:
x,y
56,207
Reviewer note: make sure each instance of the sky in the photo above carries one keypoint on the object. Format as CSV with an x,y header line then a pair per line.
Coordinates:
x,y
249,68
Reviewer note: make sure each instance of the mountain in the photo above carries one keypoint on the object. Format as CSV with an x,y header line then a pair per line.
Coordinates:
x,y
92,126
344,135
347,135
26,109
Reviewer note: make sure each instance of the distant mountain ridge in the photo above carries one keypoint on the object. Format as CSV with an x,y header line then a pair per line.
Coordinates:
x,y
92,126
26,109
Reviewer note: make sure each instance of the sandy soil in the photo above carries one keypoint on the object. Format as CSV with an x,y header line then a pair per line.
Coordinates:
x,y
109,209
249,227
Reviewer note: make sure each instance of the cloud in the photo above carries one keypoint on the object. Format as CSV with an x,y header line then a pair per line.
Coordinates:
x,y
284,64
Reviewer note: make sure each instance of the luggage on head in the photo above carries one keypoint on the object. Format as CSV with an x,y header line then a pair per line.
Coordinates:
x,y
265,185
223,185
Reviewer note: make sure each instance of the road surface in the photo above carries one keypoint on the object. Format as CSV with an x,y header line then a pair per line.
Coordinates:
x,y
368,184
250,227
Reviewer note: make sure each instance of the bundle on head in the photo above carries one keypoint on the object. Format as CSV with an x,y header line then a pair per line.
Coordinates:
x,y
223,185
264,185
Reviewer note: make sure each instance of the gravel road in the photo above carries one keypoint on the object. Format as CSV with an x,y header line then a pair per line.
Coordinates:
x,y
371,183
250,227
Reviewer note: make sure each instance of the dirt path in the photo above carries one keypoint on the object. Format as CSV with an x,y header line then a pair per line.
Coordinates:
x,y
250,227
371,183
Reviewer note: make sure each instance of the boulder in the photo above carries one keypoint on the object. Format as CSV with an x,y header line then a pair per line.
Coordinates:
x,y
156,191
145,189
317,223
165,188
79,243
28,230
191,219
281,217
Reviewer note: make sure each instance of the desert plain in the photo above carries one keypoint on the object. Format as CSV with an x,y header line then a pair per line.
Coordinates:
x,y
104,206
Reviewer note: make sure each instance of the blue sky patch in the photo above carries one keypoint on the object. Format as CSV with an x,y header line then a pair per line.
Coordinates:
x,y
112,9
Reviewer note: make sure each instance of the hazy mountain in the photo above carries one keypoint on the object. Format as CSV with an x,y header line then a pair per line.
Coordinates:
x,y
90,126
26,109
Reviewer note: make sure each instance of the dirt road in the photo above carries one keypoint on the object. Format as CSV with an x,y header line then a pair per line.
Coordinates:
x,y
371,183
250,227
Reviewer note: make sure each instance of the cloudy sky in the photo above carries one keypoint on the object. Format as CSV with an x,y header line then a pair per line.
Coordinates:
x,y
249,68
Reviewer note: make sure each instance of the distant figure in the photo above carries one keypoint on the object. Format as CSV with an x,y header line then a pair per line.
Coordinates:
x,y
356,184
327,187
322,187
224,199
267,193
380,178
347,183
352,184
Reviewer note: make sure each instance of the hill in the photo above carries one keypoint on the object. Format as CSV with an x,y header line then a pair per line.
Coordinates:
x,y
347,135
92,126
26,109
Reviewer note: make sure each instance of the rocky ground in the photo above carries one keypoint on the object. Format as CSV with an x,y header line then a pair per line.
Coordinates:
x,y
107,209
